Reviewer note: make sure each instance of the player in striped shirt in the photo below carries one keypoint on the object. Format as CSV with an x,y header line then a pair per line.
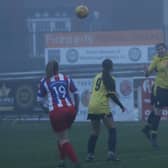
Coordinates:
x,y
54,96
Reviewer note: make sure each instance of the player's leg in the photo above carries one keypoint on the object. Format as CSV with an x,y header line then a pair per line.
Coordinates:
x,y
148,127
112,137
55,121
62,154
155,126
66,148
161,101
60,123
95,130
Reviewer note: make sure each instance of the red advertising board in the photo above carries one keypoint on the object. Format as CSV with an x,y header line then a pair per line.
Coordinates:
x,y
146,89
113,38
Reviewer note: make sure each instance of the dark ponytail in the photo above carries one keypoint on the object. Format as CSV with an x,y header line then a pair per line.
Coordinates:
x,y
106,76
51,69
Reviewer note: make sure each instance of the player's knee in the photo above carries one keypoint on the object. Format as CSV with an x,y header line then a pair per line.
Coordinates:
x,y
63,141
95,133
158,111
95,130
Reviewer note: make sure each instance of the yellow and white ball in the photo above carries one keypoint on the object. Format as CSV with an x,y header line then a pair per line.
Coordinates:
x,y
82,11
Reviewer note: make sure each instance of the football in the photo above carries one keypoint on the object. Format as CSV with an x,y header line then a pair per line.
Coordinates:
x,y
82,11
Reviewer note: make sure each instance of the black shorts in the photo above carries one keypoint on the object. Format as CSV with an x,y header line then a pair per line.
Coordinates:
x,y
159,98
98,116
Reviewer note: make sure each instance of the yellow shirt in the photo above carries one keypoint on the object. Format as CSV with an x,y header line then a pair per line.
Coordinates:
x,y
160,64
99,102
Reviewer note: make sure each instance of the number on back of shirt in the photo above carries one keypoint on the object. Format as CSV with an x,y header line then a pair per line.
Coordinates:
x,y
98,84
60,92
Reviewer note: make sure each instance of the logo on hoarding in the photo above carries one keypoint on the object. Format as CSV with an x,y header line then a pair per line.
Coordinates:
x,y
134,54
24,96
4,91
85,96
125,87
72,55
6,100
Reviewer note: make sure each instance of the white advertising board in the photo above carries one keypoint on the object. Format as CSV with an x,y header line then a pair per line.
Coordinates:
x,y
125,92
95,55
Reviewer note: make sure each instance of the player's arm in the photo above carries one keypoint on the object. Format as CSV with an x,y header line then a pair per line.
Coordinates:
x,y
148,71
73,89
112,94
76,100
116,100
43,105
41,97
151,68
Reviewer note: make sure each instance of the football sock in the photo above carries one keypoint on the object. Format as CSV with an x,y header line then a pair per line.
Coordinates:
x,y
61,152
112,139
155,126
154,135
156,122
92,143
151,117
69,151
148,127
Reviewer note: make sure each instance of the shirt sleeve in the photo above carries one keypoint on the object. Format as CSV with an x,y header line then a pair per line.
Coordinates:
x,y
72,86
41,93
153,65
111,85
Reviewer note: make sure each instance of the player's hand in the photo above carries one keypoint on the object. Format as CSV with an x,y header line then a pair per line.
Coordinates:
x,y
76,109
44,107
123,109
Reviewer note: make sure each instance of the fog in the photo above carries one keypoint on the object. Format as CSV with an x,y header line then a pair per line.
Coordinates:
x,y
18,51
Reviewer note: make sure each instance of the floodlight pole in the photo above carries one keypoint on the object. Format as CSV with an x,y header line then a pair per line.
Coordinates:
x,y
34,38
165,20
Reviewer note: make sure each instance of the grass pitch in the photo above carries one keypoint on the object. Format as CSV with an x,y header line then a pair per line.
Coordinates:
x,y
33,145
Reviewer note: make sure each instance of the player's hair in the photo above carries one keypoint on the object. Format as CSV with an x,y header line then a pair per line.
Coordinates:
x,y
51,68
106,76
160,45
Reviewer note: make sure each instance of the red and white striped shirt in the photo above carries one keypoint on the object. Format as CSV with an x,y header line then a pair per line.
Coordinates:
x,y
58,91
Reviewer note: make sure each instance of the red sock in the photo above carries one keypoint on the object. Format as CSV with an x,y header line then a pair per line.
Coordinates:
x,y
69,151
61,152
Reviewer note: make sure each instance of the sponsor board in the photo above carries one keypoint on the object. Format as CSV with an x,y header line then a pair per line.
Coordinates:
x,y
124,91
112,38
123,47
6,97
95,55
146,107
17,96
20,99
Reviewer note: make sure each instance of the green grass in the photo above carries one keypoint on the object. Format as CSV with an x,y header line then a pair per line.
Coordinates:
x,y
33,145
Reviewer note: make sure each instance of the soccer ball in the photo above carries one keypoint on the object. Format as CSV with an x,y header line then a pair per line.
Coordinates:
x,y
82,11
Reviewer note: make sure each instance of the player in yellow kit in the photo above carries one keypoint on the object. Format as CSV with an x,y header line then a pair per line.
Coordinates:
x,y
103,90
159,98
